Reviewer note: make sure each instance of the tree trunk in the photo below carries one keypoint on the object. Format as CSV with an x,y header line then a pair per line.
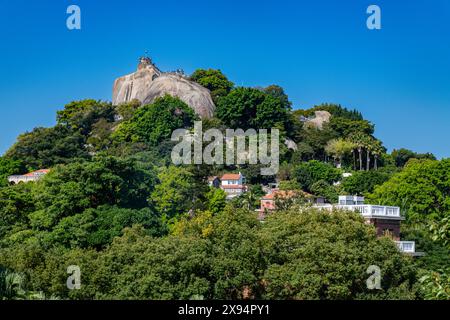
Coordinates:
x,y
354,159
375,162
360,159
368,160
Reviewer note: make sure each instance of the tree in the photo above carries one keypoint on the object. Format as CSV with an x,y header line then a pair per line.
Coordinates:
x,y
421,189
377,151
287,185
326,256
336,110
81,115
216,200
71,189
251,108
364,182
312,171
324,189
173,196
100,136
16,203
401,156
278,92
11,285
338,148
127,110
46,147
9,167
369,146
360,141
250,199
96,228
345,127
214,80
155,122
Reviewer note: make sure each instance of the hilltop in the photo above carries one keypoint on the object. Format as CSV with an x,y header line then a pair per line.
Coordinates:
x,y
114,204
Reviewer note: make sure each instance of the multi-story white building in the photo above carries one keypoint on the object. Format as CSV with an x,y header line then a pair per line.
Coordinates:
x,y
386,219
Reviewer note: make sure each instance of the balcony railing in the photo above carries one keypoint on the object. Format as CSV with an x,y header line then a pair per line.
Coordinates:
x,y
24,178
406,246
372,210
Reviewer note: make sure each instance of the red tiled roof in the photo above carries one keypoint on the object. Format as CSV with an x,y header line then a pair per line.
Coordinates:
x,y
231,176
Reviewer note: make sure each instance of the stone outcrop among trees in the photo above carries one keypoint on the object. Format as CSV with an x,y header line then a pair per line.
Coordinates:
x,y
149,83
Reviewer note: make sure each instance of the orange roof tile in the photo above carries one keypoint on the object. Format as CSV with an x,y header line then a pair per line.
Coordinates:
x,y
231,176
33,173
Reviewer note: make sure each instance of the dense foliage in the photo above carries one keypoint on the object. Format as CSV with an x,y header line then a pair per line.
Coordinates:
x,y
141,228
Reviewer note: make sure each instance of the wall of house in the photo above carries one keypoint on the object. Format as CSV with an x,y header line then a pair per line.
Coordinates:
x,y
382,225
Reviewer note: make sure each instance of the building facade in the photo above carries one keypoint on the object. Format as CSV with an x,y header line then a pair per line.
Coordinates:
x,y
29,177
385,219
233,184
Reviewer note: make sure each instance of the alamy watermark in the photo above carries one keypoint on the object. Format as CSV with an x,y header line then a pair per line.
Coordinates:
x,y
74,280
374,281
223,150
373,22
73,22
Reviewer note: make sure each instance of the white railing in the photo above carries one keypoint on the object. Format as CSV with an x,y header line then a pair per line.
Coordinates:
x,y
406,246
372,210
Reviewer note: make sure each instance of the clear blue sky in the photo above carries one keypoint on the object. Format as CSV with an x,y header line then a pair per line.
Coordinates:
x,y
319,51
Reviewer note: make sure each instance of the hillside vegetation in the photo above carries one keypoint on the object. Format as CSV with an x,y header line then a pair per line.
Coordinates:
x,y
141,228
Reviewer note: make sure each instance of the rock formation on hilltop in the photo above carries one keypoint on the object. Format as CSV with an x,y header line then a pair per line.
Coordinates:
x,y
149,83
319,119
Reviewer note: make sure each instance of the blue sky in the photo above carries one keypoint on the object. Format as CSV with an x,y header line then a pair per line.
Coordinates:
x,y
319,51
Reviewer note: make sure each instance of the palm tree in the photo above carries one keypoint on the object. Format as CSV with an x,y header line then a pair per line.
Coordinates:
x,y
338,148
358,139
11,285
248,199
377,150
369,146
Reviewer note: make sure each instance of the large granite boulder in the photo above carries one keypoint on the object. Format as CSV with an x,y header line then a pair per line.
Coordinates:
x,y
149,83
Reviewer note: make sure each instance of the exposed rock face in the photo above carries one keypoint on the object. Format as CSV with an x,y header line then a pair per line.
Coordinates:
x,y
321,117
149,83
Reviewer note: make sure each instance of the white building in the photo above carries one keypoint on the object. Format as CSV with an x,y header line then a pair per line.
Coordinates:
x,y
233,184
32,176
386,219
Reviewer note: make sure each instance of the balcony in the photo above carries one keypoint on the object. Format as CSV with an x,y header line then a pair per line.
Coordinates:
x,y
406,246
368,210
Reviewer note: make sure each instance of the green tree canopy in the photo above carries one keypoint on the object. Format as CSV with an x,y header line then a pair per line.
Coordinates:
x,y
422,189
81,115
364,182
402,155
46,147
308,173
71,189
155,122
252,108
214,80
9,167
229,256
173,194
